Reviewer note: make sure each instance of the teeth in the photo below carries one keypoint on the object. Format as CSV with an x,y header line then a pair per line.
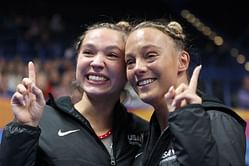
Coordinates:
x,y
145,82
96,78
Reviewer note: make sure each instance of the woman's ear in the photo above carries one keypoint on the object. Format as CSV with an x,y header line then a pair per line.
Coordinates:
x,y
183,61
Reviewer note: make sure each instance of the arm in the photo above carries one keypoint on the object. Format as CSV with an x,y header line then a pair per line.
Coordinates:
x,y
207,137
19,145
20,138
194,144
201,139
229,136
191,126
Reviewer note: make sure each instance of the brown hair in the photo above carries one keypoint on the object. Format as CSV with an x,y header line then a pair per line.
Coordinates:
x,y
121,26
172,29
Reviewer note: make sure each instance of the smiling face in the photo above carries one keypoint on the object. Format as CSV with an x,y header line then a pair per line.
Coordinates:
x,y
152,63
100,64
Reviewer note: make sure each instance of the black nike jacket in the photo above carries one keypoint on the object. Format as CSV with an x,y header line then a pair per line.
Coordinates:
x,y
65,138
207,134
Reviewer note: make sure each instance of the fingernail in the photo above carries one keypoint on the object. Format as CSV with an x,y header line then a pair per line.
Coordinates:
x,y
23,103
171,88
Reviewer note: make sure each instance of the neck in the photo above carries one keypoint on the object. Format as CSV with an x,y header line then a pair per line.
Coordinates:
x,y
182,78
162,114
97,112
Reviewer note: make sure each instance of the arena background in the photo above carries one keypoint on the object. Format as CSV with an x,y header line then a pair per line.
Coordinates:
x,y
219,33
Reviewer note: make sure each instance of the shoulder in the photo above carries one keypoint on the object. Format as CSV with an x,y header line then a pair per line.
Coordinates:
x,y
56,109
216,109
63,103
228,131
223,113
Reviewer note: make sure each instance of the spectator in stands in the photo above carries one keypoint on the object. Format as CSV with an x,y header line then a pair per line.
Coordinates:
x,y
95,131
43,84
14,73
243,94
187,127
4,86
64,87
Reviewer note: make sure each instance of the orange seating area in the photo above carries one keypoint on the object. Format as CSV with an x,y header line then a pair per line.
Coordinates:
x,y
5,112
146,114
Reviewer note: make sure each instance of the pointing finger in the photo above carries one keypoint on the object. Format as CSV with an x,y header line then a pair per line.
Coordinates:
x,y
31,71
194,79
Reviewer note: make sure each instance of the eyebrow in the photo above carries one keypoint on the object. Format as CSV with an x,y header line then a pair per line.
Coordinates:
x,y
114,47
92,46
149,46
144,48
86,46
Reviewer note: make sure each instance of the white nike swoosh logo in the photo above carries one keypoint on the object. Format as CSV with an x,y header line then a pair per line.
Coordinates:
x,y
139,154
61,134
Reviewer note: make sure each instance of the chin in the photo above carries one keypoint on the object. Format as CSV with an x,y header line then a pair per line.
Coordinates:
x,y
151,97
94,91
146,98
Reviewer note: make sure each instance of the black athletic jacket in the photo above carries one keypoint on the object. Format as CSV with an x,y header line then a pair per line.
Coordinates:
x,y
207,134
65,138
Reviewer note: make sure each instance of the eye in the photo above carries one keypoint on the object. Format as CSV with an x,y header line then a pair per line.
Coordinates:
x,y
151,56
112,55
130,63
87,53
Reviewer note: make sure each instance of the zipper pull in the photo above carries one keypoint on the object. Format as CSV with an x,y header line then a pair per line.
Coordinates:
x,y
113,162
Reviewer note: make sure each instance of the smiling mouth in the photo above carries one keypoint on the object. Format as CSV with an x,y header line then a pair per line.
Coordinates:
x,y
145,82
96,78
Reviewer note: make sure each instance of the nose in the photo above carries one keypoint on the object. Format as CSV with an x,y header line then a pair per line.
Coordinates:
x,y
98,61
140,67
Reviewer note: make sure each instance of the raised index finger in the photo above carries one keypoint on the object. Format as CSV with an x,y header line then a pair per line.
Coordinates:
x,y
31,70
194,79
